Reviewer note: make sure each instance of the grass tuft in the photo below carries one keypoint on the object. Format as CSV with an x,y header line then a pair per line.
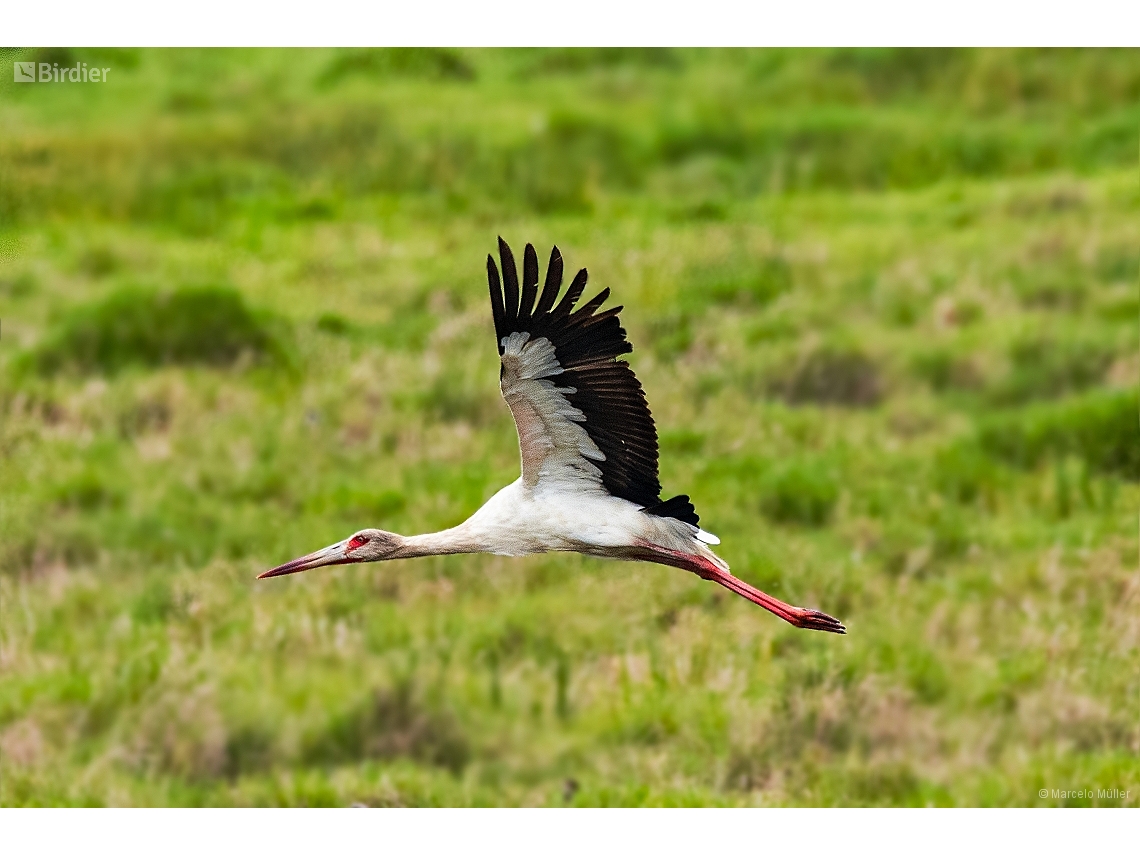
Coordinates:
x,y
419,62
830,376
390,723
192,326
1100,427
802,492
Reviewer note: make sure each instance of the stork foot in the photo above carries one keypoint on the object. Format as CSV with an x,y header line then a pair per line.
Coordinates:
x,y
812,619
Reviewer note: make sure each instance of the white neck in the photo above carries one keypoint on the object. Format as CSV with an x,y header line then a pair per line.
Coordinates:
x,y
450,541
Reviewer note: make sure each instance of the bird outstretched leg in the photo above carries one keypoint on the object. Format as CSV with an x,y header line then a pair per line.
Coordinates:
x,y
796,616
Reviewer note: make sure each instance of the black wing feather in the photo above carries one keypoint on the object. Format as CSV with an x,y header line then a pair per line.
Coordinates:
x,y
679,507
585,314
510,283
572,294
587,344
530,282
553,283
497,310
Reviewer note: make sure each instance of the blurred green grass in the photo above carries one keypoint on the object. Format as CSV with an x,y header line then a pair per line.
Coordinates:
x,y
884,304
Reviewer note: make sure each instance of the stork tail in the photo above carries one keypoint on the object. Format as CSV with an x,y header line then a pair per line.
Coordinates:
x,y
679,507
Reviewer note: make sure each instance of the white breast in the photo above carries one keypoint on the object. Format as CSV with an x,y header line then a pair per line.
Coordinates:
x,y
520,520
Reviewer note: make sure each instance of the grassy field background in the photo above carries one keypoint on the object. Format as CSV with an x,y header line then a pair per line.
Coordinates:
x,y
884,305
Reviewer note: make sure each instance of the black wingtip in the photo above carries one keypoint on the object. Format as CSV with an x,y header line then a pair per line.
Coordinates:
x,y
529,283
510,283
552,285
498,313
570,298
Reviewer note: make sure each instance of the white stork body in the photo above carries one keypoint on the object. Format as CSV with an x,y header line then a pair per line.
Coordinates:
x,y
588,446
522,520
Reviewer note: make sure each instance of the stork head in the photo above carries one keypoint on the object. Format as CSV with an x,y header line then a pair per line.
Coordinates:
x,y
370,544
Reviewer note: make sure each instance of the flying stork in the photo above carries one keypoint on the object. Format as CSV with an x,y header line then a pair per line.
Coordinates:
x,y
588,445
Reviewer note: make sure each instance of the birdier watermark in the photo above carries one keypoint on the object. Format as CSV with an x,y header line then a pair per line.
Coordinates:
x,y
53,72
1086,793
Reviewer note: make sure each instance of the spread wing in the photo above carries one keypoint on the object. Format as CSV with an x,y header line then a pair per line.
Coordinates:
x,y
581,414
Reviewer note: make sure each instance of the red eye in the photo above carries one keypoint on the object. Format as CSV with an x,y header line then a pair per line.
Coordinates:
x,y
356,542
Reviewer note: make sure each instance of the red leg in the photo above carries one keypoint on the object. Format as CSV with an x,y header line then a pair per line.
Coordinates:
x,y
802,618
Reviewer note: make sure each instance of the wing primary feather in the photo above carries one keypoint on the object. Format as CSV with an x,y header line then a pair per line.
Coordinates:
x,y
510,283
553,283
497,311
608,313
589,308
572,294
530,283
589,323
